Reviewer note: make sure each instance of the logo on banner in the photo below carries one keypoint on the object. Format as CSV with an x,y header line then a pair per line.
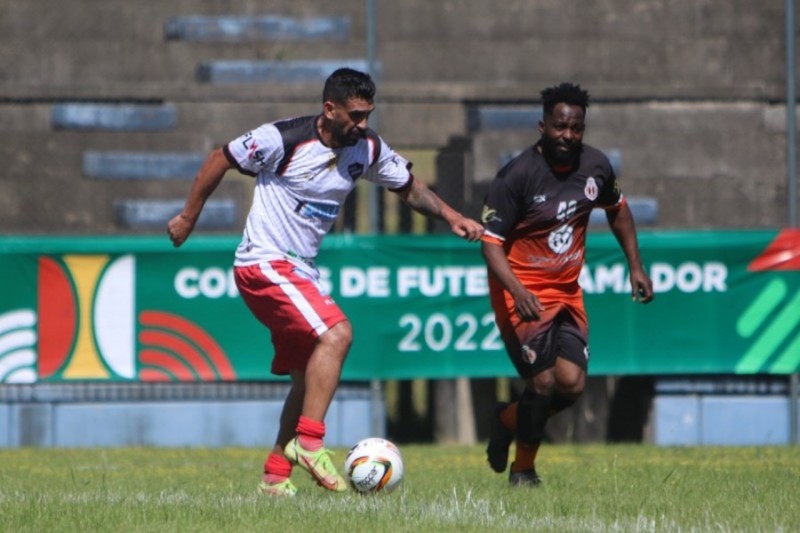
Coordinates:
x,y
87,326
772,319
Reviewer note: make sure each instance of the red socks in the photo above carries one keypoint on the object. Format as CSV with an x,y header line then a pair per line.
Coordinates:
x,y
310,433
276,468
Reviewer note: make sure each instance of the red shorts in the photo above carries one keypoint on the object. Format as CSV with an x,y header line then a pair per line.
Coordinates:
x,y
290,301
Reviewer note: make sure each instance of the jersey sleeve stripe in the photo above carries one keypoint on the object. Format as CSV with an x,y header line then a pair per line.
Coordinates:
x,y
492,238
232,160
406,185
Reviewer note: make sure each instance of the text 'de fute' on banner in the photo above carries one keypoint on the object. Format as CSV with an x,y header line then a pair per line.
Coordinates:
x,y
136,309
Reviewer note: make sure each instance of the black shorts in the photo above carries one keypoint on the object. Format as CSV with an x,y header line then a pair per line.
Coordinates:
x,y
535,349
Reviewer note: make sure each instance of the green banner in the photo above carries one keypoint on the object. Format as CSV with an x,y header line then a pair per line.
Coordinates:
x,y
136,309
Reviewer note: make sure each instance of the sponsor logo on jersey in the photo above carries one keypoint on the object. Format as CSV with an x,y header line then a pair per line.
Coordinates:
x,y
591,189
355,170
332,162
258,157
539,199
489,215
560,239
318,210
555,263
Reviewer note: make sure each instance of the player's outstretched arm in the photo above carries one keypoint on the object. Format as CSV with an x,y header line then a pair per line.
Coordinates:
x,y
423,200
206,181
621,223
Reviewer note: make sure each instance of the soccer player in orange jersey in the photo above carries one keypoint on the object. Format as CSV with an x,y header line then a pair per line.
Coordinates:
x,y
535,218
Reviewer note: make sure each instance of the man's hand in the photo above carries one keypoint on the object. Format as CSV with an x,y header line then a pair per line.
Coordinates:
x,y
179,229
527,306
467,228
641,287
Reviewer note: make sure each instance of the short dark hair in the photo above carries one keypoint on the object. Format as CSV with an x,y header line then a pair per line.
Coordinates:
x,y
564,93
347,83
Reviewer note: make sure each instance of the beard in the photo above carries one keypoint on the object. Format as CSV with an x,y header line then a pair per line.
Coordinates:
x,y
560,152
347,137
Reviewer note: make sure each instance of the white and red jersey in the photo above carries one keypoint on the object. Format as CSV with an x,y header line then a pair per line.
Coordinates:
x,y
301,185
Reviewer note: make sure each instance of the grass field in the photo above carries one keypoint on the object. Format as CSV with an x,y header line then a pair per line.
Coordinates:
x,y
586,488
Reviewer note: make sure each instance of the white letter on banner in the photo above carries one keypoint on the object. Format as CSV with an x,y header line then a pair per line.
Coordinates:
x,y
407,278
476,283
689,277
183,278
352,282
453,275
585,280
378,282
663,277
715,277
431,284
613,278
212,282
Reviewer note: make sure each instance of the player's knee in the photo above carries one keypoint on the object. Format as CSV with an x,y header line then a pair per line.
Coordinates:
x,y
339,337
544,383
571,386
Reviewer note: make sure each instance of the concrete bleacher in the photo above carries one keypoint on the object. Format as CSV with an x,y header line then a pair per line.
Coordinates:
x,y
284,72
141,165
135,152
114,117
433,66
151,214
246,28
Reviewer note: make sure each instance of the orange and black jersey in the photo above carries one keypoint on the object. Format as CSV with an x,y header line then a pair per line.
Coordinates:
x,y
540,215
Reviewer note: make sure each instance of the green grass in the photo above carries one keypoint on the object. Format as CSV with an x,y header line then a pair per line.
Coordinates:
x,y
586,488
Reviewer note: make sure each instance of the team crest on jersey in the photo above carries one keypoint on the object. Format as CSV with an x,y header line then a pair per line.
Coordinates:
x,y
528,354
591,189
355,170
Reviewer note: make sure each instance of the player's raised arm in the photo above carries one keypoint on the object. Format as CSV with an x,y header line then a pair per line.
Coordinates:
x,y
205,182
423,200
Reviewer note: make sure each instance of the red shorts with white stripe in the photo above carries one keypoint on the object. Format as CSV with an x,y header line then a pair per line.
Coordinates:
x,y
290,301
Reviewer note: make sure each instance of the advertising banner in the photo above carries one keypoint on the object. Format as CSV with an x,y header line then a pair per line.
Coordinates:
x,y
136,309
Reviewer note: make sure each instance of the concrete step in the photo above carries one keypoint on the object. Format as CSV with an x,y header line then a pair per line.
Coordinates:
x,y
114,117
250,71
141,165
248,28
132,213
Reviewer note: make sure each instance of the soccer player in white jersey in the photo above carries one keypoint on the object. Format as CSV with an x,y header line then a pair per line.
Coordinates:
x,y
304,168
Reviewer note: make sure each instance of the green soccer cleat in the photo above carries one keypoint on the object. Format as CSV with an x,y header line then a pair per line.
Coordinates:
x,y
318,464
285,488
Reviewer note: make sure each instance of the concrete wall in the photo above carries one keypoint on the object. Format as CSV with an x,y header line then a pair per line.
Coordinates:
x,y
178,415
690,92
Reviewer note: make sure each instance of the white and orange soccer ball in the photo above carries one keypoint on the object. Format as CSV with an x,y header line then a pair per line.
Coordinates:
x,y
374,465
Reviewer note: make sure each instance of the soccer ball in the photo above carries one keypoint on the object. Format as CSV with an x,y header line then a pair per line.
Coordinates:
x,y
374,465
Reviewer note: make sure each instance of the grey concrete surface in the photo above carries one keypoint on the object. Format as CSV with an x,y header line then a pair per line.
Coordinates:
x,y
690,92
